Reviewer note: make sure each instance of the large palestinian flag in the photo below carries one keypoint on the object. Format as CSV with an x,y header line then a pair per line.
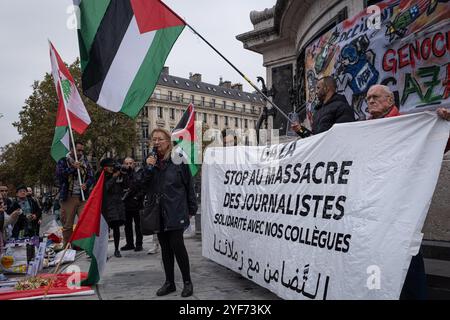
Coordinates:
x,y
123,47
185,138
91,233
69,97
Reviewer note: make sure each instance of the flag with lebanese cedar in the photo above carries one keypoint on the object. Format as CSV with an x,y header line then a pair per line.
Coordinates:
x,y
68,97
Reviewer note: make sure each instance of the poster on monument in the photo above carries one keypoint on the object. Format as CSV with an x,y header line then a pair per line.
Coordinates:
x,y
334,216
404,44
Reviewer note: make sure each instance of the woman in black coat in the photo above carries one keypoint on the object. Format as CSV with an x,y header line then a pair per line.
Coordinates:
x,y
113,207
171,185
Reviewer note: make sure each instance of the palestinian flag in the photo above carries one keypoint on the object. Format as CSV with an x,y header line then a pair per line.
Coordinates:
x,y
91,233
185,138
123,47
68,97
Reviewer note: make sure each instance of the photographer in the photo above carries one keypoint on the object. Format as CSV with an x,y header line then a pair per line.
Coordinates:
x,y
133,200
113,207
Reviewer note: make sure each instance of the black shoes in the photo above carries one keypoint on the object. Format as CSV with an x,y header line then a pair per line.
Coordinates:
x,y
127,248
167,288
117,254
188,289
138,248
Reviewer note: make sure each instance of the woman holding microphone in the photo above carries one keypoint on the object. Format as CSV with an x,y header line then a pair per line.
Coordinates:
x,y
170,187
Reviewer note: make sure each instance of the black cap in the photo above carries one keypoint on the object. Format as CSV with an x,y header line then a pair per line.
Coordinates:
x,y
20,187
107,162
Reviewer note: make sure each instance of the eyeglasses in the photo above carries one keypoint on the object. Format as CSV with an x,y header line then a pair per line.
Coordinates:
x,y
3,190
375,97
158,140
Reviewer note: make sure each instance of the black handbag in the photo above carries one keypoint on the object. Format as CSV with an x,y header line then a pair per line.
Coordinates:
x,y
151,217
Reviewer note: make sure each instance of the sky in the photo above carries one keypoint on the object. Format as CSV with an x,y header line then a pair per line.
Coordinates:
x,y
26,25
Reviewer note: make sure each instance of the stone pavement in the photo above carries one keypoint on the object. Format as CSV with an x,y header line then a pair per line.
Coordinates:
x,y
137,276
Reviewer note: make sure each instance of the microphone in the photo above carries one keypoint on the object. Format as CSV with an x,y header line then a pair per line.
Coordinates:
x,y
154,154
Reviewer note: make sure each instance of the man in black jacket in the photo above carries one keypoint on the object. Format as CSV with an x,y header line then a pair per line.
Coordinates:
x,y
133,199
333,107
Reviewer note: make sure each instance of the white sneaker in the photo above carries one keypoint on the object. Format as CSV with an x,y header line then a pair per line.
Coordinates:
x,y
154,249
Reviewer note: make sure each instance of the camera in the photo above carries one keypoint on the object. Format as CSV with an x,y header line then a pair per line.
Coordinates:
x,y
120,168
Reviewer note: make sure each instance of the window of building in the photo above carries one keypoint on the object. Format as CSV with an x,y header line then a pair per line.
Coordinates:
x,y
224,104
205,118
192,98
246,141
245,123
170,95
181,97
160,112
243,108
214,89
213,101
203,101
198,86
176,81
145,132
226,120
145,111
216,119
172,113
165,79
253,109
236,122
187,84
234,105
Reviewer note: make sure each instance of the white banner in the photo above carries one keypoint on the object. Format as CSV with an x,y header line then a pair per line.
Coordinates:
x,y
334,216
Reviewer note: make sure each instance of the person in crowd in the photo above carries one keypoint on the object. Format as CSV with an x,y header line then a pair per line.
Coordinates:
x,y
133,199
28,222
4,194
70,188
5,221
332,108
171,187
381,104
113,208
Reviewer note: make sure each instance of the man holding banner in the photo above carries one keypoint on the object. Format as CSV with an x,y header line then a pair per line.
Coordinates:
x,y
380,102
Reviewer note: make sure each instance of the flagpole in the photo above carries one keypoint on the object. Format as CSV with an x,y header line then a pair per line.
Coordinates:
x,y
69,123
71,138
243,75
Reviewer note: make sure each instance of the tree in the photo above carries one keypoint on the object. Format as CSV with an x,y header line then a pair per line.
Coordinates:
x,y
30,158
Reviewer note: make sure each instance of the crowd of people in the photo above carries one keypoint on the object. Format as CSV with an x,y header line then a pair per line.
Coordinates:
x,y
165,191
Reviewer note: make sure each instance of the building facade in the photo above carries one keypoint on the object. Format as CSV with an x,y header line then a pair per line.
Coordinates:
x,y
222,106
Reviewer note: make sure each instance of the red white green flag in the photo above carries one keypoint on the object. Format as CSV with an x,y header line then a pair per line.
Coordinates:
x,y
91,233
123,47
185,138
70,98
